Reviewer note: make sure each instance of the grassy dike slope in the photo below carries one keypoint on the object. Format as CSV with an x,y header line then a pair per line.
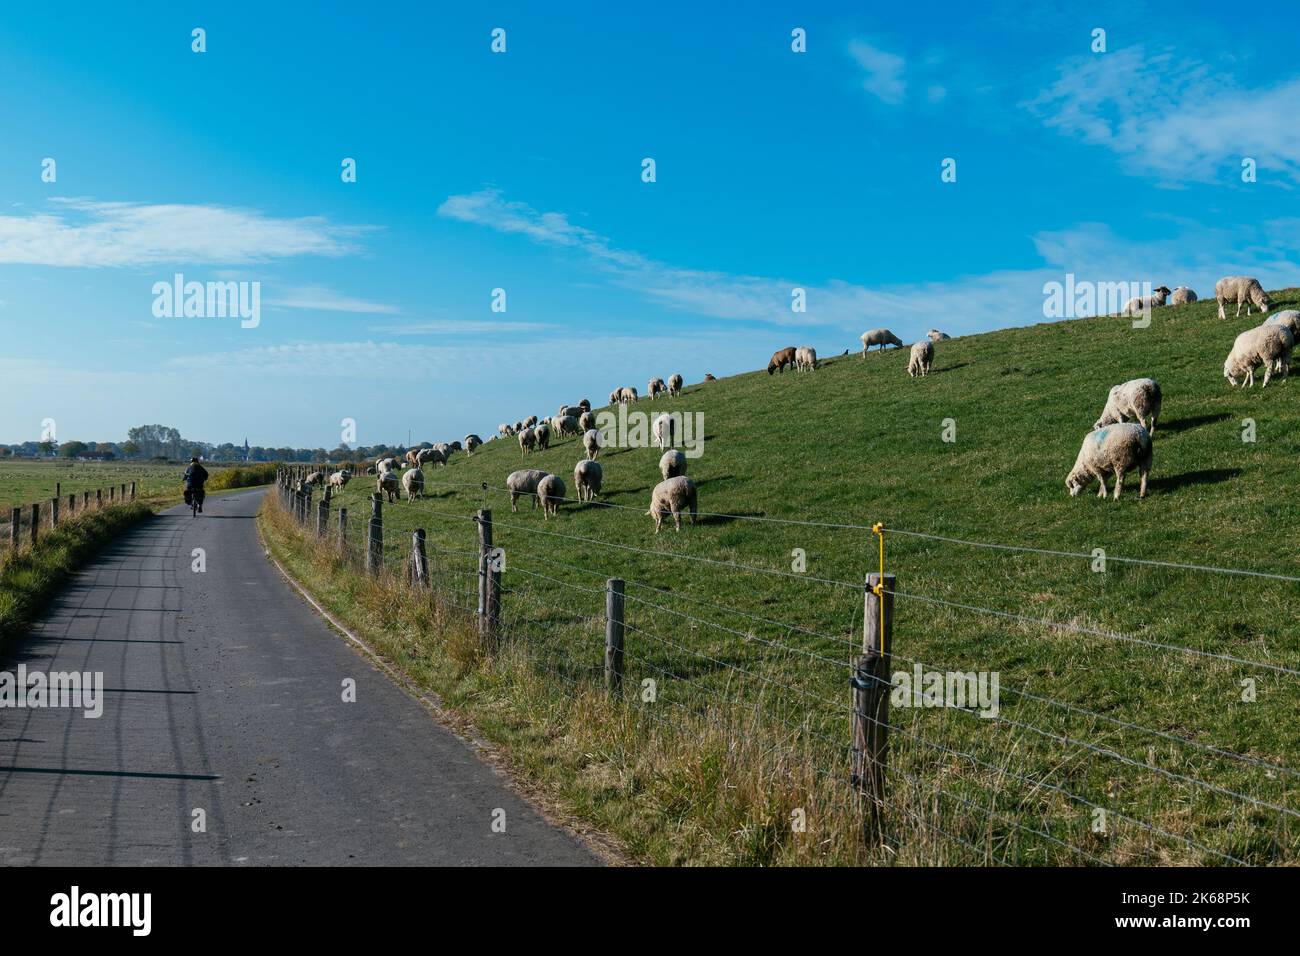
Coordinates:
x,y
750,721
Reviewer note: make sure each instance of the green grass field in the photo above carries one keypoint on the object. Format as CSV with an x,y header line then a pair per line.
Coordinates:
x,y
1126,753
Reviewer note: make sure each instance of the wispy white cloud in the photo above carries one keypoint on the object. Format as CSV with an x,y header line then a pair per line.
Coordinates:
x,y
460,327
1173,116
323,299
1193,255
884,70
93,234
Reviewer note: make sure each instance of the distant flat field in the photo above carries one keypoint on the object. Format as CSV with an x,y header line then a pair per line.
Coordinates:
x,y
24,481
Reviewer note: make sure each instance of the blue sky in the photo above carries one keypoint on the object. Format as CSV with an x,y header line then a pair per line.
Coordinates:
x,y
522,171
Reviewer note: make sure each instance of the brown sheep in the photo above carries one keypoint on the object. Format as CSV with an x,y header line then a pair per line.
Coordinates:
x,y
780,360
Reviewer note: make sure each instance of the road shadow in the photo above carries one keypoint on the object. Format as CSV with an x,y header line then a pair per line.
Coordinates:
x,y
1183,424
1206,476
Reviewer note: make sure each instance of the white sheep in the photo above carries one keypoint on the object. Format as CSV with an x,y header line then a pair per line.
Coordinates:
x,y
591,442
1138,398
881,337
587,477
527,440
472,442
523,482
672,463
542,432
921,359
315,478
430,456
570,410
1143,303
413,483
1182,296
388,483
934,335
586,422
655,387
664,428
385,465
674,385
1288,317
1114,449
671,497
627,394
1266,345
1242,290
504,430
530,421
565,425
805,359
550,492
340,479
616,396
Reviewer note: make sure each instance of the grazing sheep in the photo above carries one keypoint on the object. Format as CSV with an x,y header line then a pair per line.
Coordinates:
x,y
315,478
504,430
585,404
431,456
881,337
543,435
671,497
780,359
385,465
370,469
1115,449
587,477
627,394
413,483
672,464
388,483
1142,303
523,482
586,422
1242,290
1266,345
674,385
472,442
520,426
1139,398
413,457
805,359
527,440
934,335
570,411
566,425
616,396
550,492
921,359
446,449
655,387
708,377
530,421
1288,317
591,442
340,479
1182,296
664,429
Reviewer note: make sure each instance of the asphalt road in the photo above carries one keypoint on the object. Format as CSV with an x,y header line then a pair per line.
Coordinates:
x,y
224,693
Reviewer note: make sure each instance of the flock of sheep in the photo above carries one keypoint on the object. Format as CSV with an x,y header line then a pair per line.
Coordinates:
x,y
1114,446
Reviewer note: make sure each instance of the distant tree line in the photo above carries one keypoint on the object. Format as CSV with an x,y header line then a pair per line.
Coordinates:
x,y
146,442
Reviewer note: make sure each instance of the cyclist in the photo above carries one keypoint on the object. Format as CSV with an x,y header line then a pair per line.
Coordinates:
x,y
195,476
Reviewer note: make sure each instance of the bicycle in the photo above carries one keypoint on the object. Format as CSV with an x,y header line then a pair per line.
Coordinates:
x,y
195,500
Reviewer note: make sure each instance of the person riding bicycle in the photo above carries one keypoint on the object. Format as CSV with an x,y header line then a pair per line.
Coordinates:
x,y
195,476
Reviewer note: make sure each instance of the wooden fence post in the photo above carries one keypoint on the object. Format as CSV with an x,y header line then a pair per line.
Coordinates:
x,y
85,500
419,572
15,526
133,491
111,489
36,520
343,531
54,513
122,495
375,551
613,635
872,683
489,582
322,516
99,498
72,505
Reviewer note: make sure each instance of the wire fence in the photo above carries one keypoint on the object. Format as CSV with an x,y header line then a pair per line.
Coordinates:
x,y
21,526
1005,737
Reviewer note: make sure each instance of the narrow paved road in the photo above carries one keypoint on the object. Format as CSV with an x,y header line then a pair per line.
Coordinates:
x,y
223,693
